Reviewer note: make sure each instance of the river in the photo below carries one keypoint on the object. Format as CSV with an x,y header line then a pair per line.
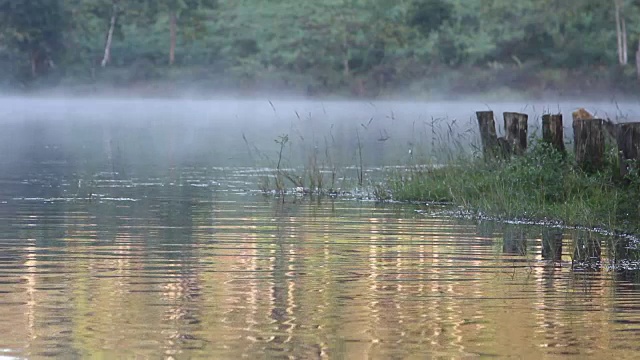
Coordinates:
x,y
133,233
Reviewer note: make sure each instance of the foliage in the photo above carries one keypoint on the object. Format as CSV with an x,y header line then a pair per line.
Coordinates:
x,y
320,46
35,29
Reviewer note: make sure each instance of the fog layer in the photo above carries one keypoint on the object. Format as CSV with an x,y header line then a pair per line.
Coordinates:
x,y
242,132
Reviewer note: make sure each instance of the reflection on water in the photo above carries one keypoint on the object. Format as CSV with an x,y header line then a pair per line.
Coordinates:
x,y
132,238
191,266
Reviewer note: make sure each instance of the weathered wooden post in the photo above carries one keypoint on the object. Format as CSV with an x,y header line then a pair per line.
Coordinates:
x,y
587,249
553,132
588,141
628,139
515,127
488,134
514,240
620,248
552,244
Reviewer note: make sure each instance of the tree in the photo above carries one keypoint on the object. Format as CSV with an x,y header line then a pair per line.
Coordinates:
x,y
621,31
112,26
323,44
330,42
429,15
189,13
35,28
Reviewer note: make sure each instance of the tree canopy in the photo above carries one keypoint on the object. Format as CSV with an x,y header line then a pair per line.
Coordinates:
x,y
322,45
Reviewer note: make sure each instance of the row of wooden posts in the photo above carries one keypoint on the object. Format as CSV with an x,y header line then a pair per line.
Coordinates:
x,y
590,136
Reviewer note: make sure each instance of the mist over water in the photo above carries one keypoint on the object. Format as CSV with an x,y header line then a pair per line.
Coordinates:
x,y
232,132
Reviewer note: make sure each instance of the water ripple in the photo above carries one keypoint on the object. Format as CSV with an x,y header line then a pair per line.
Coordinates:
x,y
150,268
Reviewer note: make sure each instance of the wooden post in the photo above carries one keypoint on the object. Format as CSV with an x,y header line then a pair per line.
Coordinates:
x,y
488,133
589,143
628,139
552,131
552,244
515,127
620,248
587,250
514,241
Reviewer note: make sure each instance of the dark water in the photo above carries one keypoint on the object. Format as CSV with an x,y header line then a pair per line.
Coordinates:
x,y
184,259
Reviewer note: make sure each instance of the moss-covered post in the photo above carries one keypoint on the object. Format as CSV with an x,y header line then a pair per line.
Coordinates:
x,y
488,134
628,139
515,127
589,143
553,132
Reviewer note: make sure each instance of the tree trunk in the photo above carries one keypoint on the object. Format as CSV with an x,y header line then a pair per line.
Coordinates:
x,y
345,61
112,26
621,35
345,65
618,30
638,60
34,63
625,56
173,30
345,51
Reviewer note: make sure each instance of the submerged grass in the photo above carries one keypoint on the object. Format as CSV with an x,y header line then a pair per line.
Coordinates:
x,y
306,163
541,185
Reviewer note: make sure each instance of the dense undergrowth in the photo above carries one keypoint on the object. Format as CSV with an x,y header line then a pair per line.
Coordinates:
x,y
544,184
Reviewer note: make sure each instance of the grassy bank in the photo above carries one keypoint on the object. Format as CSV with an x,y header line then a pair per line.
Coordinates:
x,y
542,185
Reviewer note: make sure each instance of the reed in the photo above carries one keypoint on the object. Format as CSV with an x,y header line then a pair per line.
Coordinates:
x,y
309,162
282,141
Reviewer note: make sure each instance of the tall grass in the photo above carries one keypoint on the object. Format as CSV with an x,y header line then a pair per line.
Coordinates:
x,y
313,162
444,164
542,185
305,160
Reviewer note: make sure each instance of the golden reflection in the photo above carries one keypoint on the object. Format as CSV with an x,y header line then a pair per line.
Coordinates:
x,y
306,281
31,265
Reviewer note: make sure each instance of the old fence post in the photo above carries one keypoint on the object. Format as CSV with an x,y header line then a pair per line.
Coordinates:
x,y
487,133
587,249
553,132
588,141
552,244
515,127
628,139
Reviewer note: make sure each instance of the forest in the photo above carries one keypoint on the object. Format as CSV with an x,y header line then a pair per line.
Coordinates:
x,y
362,48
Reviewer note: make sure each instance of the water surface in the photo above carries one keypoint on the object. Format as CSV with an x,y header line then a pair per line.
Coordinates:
x,y
150,256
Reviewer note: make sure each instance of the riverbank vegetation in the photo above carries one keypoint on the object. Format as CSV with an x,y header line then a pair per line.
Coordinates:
x,y
364,48
541,185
